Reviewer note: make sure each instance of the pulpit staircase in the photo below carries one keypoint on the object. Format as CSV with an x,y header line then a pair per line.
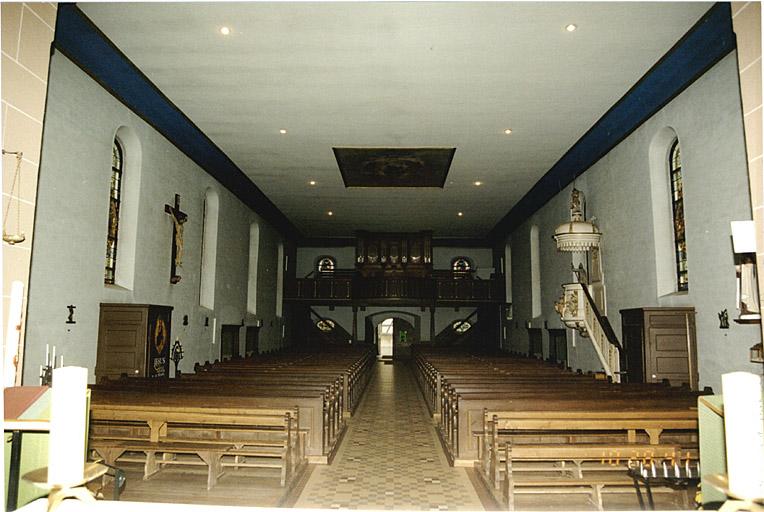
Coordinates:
x,y
578,311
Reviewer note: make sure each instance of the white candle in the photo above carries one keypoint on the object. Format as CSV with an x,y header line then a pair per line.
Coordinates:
x,y
53,359
66,446
47,354
62,362
665,470
744,432
652,465
676,470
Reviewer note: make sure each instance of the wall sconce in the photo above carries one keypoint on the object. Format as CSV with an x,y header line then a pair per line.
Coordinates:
x,y
176,354
528,324
757,353
724,321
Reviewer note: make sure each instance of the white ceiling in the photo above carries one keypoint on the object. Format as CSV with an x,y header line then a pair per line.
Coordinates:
x,y
394,74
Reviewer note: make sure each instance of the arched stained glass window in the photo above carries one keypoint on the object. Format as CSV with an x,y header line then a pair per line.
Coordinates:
x,y
326,264
117,165
326,325
677,209
461,326
461,264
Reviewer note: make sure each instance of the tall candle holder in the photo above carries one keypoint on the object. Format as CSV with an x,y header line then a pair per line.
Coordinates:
x,y
651,473
176,354
46,370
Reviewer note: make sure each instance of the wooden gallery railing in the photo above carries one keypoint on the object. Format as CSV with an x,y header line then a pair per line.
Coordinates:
x,y
345,287
578,311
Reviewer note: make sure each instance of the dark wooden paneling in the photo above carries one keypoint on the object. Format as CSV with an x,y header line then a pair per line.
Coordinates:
x,y
659,343
130,341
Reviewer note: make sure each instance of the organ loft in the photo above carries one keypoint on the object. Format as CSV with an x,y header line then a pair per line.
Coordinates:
x,y
401,255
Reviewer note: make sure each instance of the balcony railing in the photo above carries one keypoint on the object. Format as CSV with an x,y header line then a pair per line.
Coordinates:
x,y
442,288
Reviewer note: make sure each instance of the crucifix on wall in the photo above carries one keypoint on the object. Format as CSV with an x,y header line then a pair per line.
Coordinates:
x,y
178,219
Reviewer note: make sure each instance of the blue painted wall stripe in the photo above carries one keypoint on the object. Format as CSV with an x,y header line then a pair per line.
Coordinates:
x,y
703,46
83,43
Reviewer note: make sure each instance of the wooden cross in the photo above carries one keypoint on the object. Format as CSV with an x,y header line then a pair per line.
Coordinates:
x,y
178,219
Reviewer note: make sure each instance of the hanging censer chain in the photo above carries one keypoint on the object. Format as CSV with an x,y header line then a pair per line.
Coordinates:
x,y
17,237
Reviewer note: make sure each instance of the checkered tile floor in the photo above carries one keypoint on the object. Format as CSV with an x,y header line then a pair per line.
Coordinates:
x,y
390,457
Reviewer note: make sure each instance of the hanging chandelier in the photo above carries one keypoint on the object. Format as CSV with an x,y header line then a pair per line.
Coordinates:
x,y
577,235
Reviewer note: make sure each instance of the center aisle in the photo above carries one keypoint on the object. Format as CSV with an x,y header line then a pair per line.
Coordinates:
x,y
390,457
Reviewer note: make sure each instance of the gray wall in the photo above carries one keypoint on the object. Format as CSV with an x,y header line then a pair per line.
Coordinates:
x,y
70,233
481,257
308,256
708,121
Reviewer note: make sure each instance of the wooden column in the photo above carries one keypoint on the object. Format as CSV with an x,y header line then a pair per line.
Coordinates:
x,y
355,323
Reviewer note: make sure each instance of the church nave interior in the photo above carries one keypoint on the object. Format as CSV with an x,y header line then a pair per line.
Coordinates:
x,y
382,255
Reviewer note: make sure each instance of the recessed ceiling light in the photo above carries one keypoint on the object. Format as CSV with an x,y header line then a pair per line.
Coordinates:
x,y
478,183
507,131
225,31
571,27
460,214
282,131
311,183
330,213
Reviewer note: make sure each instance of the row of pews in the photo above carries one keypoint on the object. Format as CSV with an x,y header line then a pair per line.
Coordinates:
x,y
277,411
531,427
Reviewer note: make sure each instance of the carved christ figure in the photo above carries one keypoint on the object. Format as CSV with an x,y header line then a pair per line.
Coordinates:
x,y
178,223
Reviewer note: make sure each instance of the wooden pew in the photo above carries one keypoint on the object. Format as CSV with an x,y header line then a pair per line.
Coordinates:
x,y
593,484
318,390
161,429
461,395
278,411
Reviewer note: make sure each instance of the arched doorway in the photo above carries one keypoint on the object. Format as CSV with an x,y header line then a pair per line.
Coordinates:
x,y
394,338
